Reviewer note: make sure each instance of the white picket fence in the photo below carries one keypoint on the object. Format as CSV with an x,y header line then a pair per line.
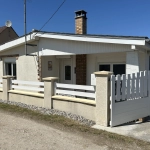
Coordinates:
x,y
28,85
129,97
75,90
130,86
1,83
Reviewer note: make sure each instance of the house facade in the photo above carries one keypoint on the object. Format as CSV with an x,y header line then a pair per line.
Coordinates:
x,y
73,57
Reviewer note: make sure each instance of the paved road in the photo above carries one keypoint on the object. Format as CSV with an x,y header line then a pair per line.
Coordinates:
x,y
18,133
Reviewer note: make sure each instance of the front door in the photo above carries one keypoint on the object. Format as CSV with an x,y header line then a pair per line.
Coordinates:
x,y
66,71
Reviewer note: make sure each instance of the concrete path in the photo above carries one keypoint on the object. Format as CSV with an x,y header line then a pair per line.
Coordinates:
x,y
137,130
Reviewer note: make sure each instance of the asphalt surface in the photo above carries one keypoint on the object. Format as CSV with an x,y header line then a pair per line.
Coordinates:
x,y
18,133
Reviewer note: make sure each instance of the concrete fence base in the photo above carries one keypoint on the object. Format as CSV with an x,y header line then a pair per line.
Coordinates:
x,y
97,111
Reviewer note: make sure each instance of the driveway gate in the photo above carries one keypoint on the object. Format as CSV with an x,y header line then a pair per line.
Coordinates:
x,y
130,97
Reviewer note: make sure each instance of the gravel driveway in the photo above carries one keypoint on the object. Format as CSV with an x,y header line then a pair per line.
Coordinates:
x,y
18,133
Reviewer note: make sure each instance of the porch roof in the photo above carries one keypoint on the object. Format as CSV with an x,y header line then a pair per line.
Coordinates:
x,y
110,39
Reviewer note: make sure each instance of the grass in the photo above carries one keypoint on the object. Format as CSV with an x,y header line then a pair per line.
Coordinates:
x,y
66,123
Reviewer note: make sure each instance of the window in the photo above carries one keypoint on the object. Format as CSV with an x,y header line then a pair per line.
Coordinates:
x,y
67,72
10,68
119,69
115,68
104,67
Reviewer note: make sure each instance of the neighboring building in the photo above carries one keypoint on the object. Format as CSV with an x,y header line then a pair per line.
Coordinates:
x,y
7,34
73,57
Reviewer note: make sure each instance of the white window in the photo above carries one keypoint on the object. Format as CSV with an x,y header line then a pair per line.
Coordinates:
x,y
115,68
10,69
10,66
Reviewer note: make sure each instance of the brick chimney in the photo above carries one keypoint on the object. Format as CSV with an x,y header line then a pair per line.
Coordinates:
x,y
81,22
81,28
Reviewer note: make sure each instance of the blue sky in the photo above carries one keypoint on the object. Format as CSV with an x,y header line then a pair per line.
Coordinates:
x,y
110,17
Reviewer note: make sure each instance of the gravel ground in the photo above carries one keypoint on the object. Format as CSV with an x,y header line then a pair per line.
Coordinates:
x,y
23,134
42,110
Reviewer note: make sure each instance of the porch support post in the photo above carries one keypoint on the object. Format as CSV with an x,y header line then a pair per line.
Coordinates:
x,y
6,87
49,91
132,62
103,97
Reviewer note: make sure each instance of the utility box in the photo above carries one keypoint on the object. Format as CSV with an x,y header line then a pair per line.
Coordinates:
x,y
93,79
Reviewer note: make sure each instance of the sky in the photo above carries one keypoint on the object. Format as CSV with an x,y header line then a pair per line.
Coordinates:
x,y
105,17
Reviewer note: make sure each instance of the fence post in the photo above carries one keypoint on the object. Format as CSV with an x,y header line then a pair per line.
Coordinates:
x,y
103,97
6,86
49,91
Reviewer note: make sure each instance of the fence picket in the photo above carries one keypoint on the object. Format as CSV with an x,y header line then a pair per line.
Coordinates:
x,y
128,86
141,84
118,96
137,84
123,89
133,86
145,83
148,83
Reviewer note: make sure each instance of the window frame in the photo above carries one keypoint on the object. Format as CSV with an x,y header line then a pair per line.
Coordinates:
x,y
111,65
11,61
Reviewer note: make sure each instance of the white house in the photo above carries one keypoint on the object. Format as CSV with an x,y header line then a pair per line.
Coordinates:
x,y
73,57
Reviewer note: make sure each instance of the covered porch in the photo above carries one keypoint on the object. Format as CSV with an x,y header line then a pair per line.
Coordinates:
x,y
73,59
72,68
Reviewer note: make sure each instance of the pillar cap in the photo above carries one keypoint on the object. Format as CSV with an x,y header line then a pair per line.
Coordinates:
x,y
50,78
8,76
103,73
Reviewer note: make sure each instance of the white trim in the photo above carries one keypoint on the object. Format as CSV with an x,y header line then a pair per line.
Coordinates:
x,y
28,82
76,93
73,86
28,88
15,43
93,39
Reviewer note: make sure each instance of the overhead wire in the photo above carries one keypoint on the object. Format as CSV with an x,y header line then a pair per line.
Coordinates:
x,y
51,16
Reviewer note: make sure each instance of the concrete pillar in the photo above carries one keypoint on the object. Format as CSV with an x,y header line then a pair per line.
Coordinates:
x,y
49,91
103,97
6,86
132,62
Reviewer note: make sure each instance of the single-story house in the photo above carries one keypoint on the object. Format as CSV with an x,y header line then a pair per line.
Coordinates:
x,y
73,57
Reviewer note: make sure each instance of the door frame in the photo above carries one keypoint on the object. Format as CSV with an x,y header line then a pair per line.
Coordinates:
x,y
62,71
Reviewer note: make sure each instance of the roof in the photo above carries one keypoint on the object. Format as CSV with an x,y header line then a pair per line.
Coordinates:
x,y
90,35
97,35
108,39
2,29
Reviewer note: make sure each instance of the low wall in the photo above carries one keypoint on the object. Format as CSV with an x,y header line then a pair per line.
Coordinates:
x,y
82,107
28,98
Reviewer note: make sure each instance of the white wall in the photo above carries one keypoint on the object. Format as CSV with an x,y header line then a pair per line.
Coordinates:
x,y
142,61
57,63
55,67
94,59
54,47
132,62
1,69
